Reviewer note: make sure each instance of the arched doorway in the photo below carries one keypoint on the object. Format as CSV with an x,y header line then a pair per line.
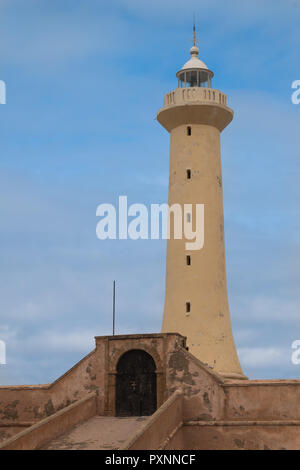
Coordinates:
x,y
136,384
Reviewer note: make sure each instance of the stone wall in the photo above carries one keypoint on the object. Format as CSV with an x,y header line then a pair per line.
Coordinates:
x,y
160,428
262,400
241,414
22,406
159,346
202,388
215,413
54,426
237,436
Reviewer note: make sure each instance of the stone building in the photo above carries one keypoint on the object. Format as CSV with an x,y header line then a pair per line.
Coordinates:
x,y
182,388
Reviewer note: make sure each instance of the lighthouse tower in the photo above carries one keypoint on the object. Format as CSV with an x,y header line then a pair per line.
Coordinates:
x,y
196,302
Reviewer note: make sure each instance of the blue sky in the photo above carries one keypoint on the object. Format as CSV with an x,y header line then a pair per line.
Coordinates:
x,y
84,82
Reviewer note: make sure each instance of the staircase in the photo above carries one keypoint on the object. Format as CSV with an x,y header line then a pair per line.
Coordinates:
x,y
98,433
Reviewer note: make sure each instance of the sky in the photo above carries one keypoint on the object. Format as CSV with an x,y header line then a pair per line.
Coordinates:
x,y
84,81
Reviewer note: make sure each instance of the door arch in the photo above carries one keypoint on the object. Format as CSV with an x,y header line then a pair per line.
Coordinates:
x,y
136,384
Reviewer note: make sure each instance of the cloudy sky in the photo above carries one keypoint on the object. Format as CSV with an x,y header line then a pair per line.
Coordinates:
x,y
84,81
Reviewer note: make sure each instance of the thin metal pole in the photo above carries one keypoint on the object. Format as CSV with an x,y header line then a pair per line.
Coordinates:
x,y
114,307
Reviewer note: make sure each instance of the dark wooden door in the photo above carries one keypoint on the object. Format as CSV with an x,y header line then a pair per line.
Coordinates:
x,y
136,384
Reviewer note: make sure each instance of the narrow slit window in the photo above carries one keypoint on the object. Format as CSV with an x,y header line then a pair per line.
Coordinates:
x,y
188,174
188,307
188,260
189,130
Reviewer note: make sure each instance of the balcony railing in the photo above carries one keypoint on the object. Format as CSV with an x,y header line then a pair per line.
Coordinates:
x,y
185,95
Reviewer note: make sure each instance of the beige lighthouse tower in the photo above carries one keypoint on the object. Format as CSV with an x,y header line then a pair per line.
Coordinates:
x,y
196,303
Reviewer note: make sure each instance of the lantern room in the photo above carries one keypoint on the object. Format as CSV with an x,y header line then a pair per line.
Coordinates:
x,y
194,73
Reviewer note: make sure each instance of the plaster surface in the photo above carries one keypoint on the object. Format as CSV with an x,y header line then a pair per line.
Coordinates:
x,y
98,433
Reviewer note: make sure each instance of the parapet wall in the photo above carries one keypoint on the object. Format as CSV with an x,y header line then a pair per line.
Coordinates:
x,y
214,413
22,406
218,414
241,414
204,396
160,429
50,428
265,435
262,400
194,94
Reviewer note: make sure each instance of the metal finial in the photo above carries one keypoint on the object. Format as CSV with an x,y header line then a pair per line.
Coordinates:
x,y
194,30
194,40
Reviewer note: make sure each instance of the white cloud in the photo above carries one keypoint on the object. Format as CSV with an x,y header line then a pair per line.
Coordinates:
x,y
8,334
246,336
264,357
81,341
272,308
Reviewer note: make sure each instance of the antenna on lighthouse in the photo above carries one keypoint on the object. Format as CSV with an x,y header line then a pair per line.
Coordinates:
x,y
195,41
194,31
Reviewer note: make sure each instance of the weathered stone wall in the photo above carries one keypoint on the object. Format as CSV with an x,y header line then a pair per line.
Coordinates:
x,y
209,397
204,395
262,400
22,406
159,346
54,426
248,436
7,431
25,405
160,428
216,413
240,414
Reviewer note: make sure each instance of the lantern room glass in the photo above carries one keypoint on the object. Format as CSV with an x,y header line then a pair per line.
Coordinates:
x,y
194,78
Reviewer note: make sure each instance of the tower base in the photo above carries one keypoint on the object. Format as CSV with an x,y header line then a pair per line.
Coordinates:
x,y
233,376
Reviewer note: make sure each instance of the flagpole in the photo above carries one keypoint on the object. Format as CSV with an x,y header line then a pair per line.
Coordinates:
x,y
114,307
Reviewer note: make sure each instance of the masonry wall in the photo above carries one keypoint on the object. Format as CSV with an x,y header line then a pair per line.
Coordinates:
x,y
262,400
22,406
215,414
208,397
54,426
246,414
270,436
159,346
204,396
160,428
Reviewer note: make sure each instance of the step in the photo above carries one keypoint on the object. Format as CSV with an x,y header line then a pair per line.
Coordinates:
x,y
98,433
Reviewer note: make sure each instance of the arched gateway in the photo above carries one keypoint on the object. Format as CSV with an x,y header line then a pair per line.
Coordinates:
x,y
136,384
